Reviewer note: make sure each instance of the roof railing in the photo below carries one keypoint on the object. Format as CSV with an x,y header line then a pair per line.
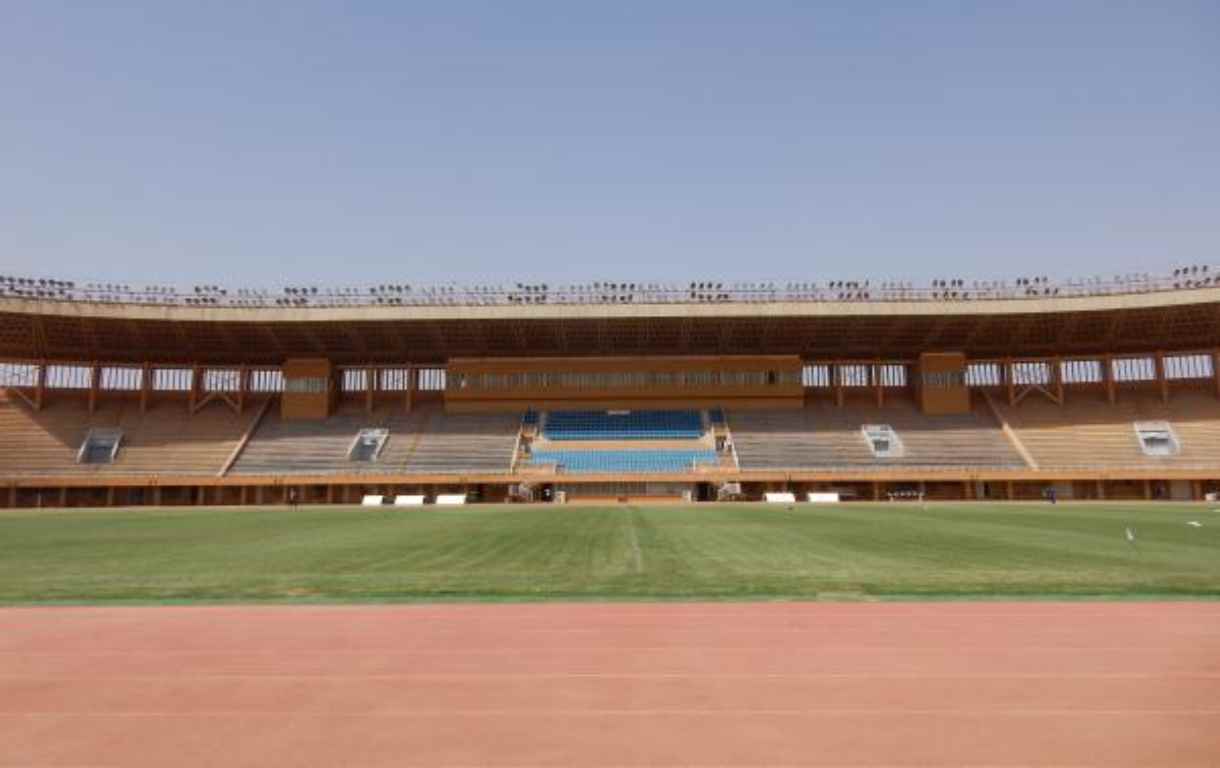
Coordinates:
x,y
944,290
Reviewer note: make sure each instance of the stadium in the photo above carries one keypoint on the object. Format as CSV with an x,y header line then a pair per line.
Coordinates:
x,y
749,523
117,395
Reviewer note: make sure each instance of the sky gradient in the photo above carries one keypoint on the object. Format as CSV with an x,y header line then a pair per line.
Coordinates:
x,y
264,143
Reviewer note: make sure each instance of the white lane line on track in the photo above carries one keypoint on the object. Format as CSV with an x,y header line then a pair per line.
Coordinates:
x,y
612,676
518,712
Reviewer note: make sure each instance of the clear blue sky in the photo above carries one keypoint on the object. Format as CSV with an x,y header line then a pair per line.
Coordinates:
x,y
264,142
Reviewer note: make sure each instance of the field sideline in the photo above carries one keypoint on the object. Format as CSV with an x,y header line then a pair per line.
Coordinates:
x,y
735,552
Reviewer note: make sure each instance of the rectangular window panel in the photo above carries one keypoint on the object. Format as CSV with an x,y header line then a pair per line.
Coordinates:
x,y
1179,367
68,376
1081,371
984,375
121,379
1134,369
18,375
266,381
221,380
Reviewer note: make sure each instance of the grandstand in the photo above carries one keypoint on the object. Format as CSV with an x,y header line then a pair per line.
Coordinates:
x,y
960,389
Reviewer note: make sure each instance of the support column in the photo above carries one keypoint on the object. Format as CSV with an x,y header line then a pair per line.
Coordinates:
x,y
156,494
40,388
12,496
1010,489
1107,374
330,494
1147,490
243,386
370,383
411,376
1101,489
878,384
1196,490
63,497
1160,376
245,493
194,395
146,375
110,496
94,383
1012,386
1216,371
968,490
1058,363
876,491
258,494
836,372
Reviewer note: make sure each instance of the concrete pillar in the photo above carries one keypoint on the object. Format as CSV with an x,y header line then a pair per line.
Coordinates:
x,y
63,497
1101,489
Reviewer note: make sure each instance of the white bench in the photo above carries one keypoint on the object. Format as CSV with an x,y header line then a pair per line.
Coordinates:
x,y
780,498
822,498
450,499
408,501
372,501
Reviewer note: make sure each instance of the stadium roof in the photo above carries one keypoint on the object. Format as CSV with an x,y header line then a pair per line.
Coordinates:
x,y
893,323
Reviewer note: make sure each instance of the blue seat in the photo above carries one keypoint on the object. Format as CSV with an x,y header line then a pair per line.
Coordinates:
x,y
632,425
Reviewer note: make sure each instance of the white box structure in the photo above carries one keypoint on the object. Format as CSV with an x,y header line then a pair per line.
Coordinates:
x,y
371,501
450,499
822,498
408,501
780,498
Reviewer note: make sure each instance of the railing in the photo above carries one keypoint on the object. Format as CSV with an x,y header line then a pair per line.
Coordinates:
x,y
693,292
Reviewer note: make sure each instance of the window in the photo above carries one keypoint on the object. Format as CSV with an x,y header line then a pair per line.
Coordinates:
x,y
221,380
1157,438
1134,369
882,440
121,379
1188,367
266,380
815,375
1081,371
368,444
172,379
354,380
69,376
311,385
18,375
100,446
984,375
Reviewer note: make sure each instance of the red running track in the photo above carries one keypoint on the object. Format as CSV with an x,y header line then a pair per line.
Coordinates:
x,y
778,684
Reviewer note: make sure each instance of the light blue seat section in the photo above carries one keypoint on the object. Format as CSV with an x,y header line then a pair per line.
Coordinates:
x,y
625,461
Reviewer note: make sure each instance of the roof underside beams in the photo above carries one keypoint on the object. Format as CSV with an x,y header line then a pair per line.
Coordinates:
x,y
1189,326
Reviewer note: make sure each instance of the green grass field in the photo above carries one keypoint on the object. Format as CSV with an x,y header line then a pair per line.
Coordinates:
x,y
511,553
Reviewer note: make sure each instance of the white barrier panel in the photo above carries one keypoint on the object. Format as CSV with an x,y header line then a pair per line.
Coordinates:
x,y
823,498
780,498
371,501
451,498
408,501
